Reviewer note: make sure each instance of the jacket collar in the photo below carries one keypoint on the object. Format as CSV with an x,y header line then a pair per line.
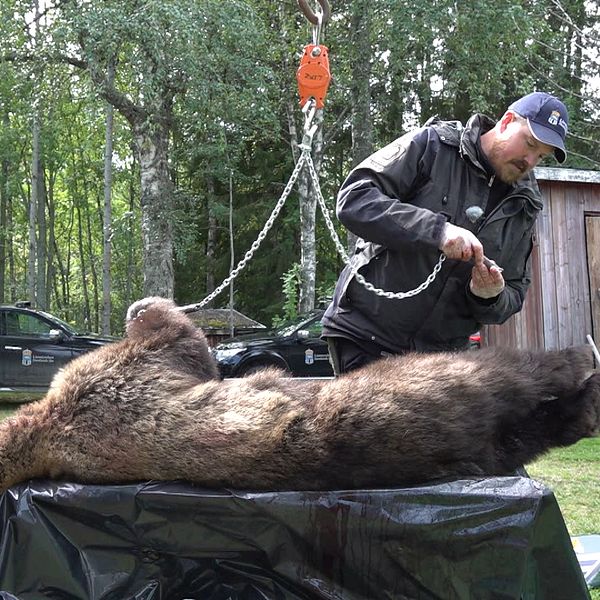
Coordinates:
x,y
466,137
476,126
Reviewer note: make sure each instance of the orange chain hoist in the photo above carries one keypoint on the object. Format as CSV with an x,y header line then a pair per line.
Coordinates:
x,y
313,75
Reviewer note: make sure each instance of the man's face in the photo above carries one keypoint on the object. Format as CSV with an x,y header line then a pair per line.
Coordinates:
x,y
514,151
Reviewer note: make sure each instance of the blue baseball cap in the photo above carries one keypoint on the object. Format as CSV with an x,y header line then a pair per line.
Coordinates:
x,y
547,118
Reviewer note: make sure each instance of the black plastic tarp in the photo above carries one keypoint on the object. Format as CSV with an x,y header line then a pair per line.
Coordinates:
x,y
501,538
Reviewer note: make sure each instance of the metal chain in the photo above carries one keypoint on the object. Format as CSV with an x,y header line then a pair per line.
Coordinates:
x,y
342,251
257,242
305,157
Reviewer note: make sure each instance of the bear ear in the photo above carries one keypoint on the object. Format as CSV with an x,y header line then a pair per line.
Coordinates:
x,y
142,305
148,313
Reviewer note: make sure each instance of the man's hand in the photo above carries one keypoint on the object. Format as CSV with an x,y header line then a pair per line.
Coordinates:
x,y
461,244
486,282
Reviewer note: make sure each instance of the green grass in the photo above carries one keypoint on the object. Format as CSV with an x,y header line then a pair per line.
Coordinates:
x,y
572,473
7,409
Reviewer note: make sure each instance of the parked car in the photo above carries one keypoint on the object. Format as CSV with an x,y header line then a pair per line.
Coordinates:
x,y
296,347
34,345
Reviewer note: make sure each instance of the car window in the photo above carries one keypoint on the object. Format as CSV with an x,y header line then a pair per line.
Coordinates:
x,y
314,329
18,324
300,322
61,324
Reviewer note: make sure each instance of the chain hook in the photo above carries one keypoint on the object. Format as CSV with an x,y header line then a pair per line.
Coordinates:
x,y
317,19
316,35
311,16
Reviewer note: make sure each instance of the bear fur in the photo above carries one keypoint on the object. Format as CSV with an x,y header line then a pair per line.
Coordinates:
x,y
151,407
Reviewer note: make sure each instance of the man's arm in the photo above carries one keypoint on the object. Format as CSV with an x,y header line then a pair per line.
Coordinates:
x,y
372,202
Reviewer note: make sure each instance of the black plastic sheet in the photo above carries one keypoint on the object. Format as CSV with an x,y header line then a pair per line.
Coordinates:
x,y
501,538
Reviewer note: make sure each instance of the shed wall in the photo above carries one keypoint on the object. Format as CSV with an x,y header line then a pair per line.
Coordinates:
x,y
557,312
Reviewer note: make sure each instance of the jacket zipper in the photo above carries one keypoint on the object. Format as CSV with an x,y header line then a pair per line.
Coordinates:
x,y
499,206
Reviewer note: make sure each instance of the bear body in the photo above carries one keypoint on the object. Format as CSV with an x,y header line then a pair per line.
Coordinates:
x,y
151,407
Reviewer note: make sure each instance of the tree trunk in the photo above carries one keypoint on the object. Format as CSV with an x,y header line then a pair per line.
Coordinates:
x,y
107,220
231,256
12,276
59,273
130,242
150,126
36,261
41,250
362,124
64,265
51,242
156,204
293,130
211,240
307,197
33,202
83,269
95,313
4,191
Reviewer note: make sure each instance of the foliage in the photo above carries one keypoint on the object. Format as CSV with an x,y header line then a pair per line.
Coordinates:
x,y
291,283
229,68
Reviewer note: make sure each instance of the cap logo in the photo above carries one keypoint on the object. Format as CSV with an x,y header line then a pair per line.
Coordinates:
x,y
555,119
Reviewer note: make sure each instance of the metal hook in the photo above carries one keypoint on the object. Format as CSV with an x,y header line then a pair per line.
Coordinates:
x,y
311,16
316,34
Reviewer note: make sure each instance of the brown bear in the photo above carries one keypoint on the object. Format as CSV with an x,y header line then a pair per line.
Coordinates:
x,y
152,407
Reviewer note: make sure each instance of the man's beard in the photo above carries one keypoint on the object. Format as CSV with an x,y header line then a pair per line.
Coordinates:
x,y
508,172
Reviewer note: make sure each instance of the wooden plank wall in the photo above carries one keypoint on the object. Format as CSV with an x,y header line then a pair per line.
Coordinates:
x,y
557,310
592,231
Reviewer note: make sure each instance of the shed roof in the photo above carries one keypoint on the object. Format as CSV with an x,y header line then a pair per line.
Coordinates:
x,y
220,318
561,174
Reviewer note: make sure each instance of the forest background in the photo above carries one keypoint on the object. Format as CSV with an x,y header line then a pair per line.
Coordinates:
x,y
144,144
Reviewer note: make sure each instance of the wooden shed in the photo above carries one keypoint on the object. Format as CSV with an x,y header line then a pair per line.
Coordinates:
x,y
563,303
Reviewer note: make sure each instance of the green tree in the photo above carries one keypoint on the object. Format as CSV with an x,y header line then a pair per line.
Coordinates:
x,y
165,52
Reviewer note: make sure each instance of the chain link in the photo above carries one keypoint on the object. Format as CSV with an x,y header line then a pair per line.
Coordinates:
x,y
259,239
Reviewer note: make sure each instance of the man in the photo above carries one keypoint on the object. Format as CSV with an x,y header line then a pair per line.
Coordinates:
x,y
467,192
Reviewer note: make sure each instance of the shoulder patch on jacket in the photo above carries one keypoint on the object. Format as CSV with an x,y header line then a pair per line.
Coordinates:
x,y
449,132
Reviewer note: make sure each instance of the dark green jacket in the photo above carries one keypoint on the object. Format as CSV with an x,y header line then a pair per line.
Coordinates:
x,y
397,201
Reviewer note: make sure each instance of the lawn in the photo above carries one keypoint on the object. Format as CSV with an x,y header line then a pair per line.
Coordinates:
x,y
7,409
573,474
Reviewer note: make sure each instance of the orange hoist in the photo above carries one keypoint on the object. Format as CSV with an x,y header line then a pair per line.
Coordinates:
x,y
313,75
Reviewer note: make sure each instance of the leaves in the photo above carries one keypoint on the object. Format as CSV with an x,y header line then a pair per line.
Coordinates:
x,y
212,81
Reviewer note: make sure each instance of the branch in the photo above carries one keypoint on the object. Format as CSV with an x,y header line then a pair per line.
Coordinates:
x,y
41,57
566,18
131,111
584,157
72,60
335,127
548,77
